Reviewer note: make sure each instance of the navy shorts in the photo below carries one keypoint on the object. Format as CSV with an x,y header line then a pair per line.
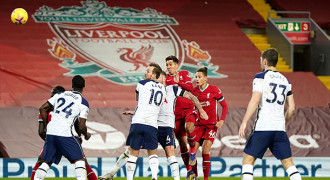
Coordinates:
x,y
277,142
165,136
57,146
142,135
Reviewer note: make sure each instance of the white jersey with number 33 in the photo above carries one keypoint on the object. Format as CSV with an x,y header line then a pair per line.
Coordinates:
x,y
274,88
68,106
151,96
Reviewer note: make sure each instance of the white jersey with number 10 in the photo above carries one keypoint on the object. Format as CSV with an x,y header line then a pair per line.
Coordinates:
x,y
274,88
151,96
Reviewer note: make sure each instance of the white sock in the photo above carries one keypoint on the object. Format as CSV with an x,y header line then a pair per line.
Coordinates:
x,y
247,172
174,165
293,173
41,171
154,163
80,169
130,167
120,162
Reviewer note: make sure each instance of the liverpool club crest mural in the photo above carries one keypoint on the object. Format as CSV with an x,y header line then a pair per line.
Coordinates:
x,y
117,43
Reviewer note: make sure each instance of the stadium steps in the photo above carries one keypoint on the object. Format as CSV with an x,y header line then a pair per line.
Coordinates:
x,y
260,41
325,80
262,8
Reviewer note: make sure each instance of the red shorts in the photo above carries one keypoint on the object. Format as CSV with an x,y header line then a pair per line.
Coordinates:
x,y
181,118
205,133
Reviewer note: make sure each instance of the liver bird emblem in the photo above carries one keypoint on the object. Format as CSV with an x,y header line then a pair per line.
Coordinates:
x,y
138,57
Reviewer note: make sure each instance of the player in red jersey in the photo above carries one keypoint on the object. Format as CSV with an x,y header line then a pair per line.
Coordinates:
x,y
42,133
185,115
206,130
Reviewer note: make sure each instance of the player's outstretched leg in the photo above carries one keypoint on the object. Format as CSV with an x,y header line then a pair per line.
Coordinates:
x,y
80,169
90,173
41,171
174,165
191,135
119,164
36,166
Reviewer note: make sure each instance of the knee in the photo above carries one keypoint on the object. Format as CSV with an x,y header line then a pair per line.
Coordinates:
x,y
189,127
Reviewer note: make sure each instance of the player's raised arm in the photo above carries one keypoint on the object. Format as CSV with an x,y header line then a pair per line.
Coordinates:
x,y
290,108
186,83
253,104
198,105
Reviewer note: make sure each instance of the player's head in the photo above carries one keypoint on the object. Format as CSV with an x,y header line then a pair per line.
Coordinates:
x,y
78,83
172,64
201,76
269,58
162,78
152,72
56,90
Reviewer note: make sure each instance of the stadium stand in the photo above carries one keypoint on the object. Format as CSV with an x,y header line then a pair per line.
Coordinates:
x,y
28,71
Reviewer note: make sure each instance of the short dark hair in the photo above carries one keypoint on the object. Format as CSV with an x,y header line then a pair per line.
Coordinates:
x,y
175,59
78,82
157,69
56,90
163,73
203,70
271,55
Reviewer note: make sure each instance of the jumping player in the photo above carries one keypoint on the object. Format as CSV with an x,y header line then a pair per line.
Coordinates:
x,y
271,91
61,137
143,131
206,130
185,114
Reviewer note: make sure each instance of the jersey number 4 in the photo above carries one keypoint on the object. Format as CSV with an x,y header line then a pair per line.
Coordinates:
x,y
67,110
275,95
154,97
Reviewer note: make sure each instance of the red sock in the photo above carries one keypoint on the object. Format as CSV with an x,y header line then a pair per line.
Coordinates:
x,y
185,157
191,141
34,170
90,173
194,168
206,166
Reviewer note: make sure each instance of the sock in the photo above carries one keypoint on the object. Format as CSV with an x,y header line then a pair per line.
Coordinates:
x,y
206,165
191,141
41,171
185,157
80,170
90,173
120,162
153,163
247,172
130,167
194,168
293,173
34,170
174,165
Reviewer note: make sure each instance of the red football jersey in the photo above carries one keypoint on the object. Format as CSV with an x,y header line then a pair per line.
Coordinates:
x,y
209,98
49,117
184,83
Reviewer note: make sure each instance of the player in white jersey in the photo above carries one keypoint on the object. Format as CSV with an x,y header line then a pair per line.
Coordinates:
x,y
271,91
143,131
61,137
166,124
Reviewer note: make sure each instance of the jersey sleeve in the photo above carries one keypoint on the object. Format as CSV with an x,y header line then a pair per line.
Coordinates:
x,y
52,100
84,109
218,94
178,91
257,82
185,82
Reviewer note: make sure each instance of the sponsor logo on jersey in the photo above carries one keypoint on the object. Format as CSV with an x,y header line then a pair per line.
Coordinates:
x,y
116,43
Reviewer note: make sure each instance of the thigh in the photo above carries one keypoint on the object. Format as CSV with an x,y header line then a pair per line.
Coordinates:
x,y
135,137
258,142
210,133
190,115
281,145
199,132
71,148
150,138
179,130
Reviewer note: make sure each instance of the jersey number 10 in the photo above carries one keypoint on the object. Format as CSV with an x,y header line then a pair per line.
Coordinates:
x,y
154,97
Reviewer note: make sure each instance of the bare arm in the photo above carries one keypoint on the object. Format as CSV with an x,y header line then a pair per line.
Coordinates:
x,y
41,130
83,128
290,109
253,104
43,113
194,99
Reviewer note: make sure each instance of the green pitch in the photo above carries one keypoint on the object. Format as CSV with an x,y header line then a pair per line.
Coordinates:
x,y
167,178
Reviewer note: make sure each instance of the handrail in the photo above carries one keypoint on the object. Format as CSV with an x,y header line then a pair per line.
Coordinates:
x,y
290,12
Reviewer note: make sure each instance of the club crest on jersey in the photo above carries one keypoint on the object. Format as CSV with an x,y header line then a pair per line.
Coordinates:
x,y
116,43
